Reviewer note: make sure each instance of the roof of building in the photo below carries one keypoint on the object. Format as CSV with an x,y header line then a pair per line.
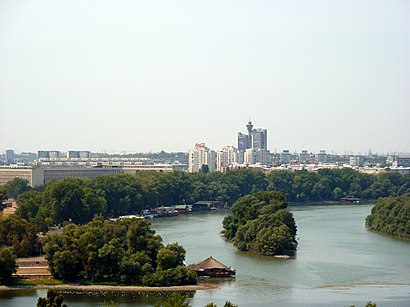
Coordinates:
x,y
207,264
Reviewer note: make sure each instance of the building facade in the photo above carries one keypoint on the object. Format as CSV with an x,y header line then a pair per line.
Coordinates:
x,y
9,156
201,155
226,157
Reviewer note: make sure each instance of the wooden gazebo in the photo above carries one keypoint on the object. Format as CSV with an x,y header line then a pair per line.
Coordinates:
x,y
212,268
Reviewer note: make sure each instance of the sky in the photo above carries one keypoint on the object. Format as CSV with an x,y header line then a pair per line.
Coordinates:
x,y
139,76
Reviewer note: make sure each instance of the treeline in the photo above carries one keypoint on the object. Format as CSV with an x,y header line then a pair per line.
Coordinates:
x,y
126,252
261,223
80,199
391,216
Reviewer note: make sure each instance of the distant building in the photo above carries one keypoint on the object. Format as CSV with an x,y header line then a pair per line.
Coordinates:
x,y
165,168
226,157
73,154
259,139
256,138
304,156
285,156
85,155
54,154
261,156
402,160
9,156
249,156
201,155
43,154
48,154
321,157
37,176
354,161
243,141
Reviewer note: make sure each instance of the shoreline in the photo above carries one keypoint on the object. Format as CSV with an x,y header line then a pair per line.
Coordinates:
x,y
102,288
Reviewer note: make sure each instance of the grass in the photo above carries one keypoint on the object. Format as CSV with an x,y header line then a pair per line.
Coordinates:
x,y
38,281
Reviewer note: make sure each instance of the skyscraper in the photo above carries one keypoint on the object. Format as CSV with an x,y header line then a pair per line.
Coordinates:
x,y
260,139
257,140
9,156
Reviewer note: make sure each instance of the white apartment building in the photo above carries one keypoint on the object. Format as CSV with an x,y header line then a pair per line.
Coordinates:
x,y
226,157
249,156
201,155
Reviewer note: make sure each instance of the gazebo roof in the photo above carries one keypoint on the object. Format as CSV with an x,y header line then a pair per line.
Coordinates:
x,y
208,264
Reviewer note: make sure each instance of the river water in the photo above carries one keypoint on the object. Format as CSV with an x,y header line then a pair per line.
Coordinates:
x,y
338,263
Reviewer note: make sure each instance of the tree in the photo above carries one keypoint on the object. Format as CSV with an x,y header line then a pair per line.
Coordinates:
x,y
260,222
16,186
170,256
8,264
175,300
52,300
391,216
65,265
205,169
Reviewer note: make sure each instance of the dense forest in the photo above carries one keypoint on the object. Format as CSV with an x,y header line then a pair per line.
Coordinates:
x,y
260,222
125,251
391,216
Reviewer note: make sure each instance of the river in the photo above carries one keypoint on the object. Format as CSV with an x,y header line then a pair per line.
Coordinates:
x,y
338,263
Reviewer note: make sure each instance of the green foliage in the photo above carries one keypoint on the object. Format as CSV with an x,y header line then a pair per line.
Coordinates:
x,y
52,300
205,169
110,304
8,264
260,222
125,251
80,199
391,215
3,196
175,300
19,234
170,256
16,186
170,277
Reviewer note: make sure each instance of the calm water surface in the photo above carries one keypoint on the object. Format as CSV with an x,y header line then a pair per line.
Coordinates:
x,y
338,263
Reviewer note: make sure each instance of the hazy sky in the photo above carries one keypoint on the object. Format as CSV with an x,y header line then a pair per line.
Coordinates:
x,y
141,76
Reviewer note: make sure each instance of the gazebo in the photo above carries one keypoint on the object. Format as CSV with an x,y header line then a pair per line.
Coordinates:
x,y
212,268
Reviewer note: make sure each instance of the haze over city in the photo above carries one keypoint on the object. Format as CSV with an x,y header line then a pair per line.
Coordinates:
x,y
163,75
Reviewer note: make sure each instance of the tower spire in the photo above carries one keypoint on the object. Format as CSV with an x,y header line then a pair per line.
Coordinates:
x,y
249,126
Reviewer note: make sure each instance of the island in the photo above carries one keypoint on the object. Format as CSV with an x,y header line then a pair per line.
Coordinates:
x,y
261,223
391,216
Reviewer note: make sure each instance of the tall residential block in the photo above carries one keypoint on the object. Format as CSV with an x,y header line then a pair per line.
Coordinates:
x,y
9,156
226,157
201,155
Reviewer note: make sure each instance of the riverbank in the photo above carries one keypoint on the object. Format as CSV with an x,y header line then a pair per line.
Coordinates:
x,y
102,288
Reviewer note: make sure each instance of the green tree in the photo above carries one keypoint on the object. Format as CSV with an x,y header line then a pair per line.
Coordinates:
x,y
52,300
261,223
16,186
65,266
170,256
8,264
391,216
175,300
205,169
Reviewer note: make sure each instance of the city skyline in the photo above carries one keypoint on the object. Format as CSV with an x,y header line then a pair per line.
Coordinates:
x,y
141,76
